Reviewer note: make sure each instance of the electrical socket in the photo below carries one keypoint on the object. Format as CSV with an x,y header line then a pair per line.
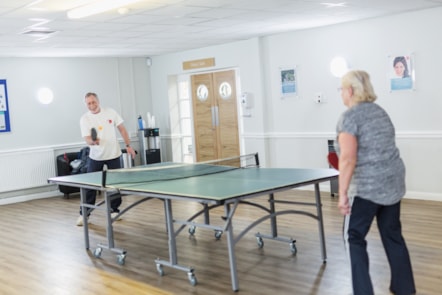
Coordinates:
x,y
319,97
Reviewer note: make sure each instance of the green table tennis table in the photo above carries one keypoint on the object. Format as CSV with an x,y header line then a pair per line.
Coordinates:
x,y
212,188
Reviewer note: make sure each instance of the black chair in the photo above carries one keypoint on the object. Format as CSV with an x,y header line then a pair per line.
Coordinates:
x,y
64,168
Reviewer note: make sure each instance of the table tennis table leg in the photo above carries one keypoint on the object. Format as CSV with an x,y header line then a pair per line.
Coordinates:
x,y
273,224
320,222
121,253
171,232
231,249
109,227
84,211
173,258
206,214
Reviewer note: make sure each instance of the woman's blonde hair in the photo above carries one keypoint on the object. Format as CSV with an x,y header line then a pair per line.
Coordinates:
x,y
359,81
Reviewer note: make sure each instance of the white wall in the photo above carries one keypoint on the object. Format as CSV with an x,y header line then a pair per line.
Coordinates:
x,y
121,83
294,131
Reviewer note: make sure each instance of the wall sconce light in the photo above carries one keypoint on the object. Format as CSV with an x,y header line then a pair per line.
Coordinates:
x,y
338,66
97,7
45,95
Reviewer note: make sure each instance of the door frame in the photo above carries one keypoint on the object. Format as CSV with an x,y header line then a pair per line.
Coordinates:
x,y
176,137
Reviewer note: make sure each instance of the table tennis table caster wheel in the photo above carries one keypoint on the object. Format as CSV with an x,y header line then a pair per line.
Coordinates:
x,y
218,234
260,242
192,230
160,269
121,259
97,252
293,248
192,278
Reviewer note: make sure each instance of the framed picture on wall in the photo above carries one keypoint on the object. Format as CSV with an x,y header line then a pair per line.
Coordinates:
x,y
401,74
288,81
4,110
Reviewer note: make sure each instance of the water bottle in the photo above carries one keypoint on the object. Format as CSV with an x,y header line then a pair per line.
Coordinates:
x,y
140,123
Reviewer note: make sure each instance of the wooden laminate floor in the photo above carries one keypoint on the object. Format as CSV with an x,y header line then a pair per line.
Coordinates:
x,y
42,252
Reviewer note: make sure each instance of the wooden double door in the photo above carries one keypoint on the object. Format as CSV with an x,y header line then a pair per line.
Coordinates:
x,y
215,115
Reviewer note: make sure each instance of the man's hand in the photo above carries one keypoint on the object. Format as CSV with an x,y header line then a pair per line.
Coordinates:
x,y
131,151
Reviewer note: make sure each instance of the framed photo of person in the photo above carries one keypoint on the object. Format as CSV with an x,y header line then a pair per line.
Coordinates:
x,y
288,81
401,74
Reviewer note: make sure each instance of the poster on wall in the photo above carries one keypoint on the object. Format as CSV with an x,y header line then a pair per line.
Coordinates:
x,y
401,72
4,110
288,81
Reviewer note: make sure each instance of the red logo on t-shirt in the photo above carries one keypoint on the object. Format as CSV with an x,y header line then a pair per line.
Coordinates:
x,y
110,121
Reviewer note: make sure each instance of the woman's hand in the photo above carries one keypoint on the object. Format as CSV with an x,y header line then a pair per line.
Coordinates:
x,y
343,204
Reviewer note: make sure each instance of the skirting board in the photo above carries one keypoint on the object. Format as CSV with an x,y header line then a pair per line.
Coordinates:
x,y
30,196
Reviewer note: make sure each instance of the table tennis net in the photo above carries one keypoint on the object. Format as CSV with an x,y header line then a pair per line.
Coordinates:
x,y
174,171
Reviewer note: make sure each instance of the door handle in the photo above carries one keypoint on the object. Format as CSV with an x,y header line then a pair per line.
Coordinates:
x,y
216,116
213,117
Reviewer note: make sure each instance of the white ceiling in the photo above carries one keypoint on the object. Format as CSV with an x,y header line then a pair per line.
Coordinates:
x,y
154,27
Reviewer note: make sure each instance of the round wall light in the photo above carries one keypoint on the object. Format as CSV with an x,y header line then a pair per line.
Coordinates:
x,y
45,95
338,66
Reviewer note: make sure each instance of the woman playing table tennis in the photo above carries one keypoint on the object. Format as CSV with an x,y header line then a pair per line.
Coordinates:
x,y
371,184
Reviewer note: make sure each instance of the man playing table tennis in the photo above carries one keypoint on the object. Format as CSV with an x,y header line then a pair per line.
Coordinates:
x,y
98,128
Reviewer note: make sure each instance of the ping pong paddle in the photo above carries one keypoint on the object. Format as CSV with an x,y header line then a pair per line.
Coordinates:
x,y
94,134
333,160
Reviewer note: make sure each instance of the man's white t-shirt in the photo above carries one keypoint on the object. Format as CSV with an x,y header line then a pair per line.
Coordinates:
x,y
105,122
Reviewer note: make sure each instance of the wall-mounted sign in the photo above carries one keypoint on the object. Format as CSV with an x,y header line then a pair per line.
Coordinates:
x,y
199,63
4,109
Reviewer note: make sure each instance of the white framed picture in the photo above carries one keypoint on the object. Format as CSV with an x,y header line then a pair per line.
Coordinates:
x,y
288,81
401,75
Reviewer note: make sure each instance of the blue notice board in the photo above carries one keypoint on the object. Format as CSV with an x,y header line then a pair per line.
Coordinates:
x,y
4,109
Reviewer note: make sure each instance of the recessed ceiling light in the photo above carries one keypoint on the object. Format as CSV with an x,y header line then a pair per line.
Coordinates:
x,y
97,7
123,10
331,5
